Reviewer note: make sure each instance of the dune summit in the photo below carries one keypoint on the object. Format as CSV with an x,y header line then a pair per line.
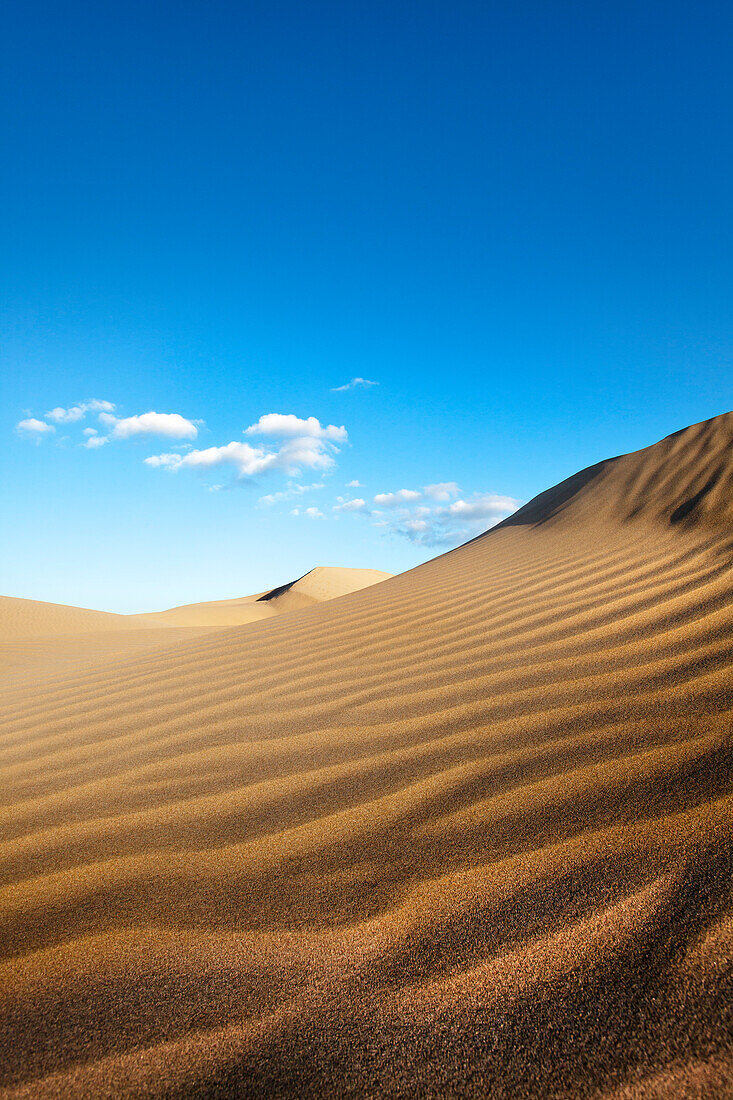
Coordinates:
x,y
467,832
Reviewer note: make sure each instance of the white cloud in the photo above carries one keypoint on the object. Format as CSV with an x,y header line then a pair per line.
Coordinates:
x,y
292,490
449,525
76,412
356,505
484,506
353,484
172,425
417,526
31,426
395,500
306,453
286,426
303,444
443,490
364,383
248,461
65,416
312,513
306,444
431,517
94,441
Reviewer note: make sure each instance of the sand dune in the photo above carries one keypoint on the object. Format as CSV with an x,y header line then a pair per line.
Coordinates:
x,y
34,619
468,832
321,583
39,641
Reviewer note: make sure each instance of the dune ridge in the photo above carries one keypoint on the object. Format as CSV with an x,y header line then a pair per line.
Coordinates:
x,y
468,832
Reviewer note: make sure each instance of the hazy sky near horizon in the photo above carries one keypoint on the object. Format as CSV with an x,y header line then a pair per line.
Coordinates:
x,y
295,284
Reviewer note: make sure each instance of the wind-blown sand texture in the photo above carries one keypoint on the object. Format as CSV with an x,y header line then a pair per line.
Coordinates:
x,y
464,833
42,640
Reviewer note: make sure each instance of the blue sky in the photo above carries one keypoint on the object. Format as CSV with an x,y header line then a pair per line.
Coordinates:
x,y
514,219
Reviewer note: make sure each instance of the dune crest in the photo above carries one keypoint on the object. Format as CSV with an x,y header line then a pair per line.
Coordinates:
x,y
685,479
467,832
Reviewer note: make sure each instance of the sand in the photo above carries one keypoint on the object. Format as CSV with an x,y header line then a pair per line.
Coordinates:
x,y
320,584
467,832
41,641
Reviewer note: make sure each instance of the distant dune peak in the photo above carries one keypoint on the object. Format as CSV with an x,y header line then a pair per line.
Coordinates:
x,y
279,591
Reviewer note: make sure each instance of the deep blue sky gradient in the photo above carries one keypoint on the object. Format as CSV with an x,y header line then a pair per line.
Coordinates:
x,y
515,217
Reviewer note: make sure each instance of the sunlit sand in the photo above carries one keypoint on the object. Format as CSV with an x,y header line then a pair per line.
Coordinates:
x,y
466,831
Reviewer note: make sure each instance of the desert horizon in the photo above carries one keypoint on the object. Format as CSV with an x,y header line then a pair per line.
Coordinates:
x,y
40,639
462,831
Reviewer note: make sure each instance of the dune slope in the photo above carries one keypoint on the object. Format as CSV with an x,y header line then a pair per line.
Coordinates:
x,y
468,832
41,641
321,583
35,619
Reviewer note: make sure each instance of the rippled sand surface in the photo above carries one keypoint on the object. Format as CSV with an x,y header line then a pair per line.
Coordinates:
x,y
467,832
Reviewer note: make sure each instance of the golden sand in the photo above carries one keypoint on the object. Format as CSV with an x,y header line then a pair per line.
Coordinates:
x,y
467,832
39,641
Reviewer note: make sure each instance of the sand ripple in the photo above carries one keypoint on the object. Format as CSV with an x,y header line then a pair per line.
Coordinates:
x,y
465,833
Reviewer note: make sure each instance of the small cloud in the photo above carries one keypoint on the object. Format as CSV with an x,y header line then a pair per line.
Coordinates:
x,y
288,426
76,412
448,525
65,416
95,441
484,506
312,513
432,516
33,427
304,444
355,383
170,461
395,500
443,490
90,431
353,484
294,455
416,526
172,425
292,490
